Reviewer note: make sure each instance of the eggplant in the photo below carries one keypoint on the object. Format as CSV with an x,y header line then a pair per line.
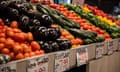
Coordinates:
x,y
55,46
64,44
35,22
45,46
40,33
44,19
24,23
3,4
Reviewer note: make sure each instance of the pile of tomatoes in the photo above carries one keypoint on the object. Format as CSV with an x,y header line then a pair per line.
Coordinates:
x,y
17,44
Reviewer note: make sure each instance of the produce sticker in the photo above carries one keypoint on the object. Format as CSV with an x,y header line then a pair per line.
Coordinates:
x,y
82,56
39,64
62,61
110,47
9,67
99,49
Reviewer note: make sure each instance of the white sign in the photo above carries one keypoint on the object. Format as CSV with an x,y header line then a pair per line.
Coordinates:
x,y
10,67
39,64
62,61
99,49
82,56
110,47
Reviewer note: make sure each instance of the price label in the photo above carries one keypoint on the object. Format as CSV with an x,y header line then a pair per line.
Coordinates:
x,y
78,2
32,65
110,47
99,50
39,64
42,64
118,44
10,67
82,56
62,61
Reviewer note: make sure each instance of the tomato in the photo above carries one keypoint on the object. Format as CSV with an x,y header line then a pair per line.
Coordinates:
x,y
19,37
10,33
35,46
9,43
2,40
5,51
29,36
32,54
17,48
12,55
42,52
26,48
26,55
19,56
14,24
37,52
2,46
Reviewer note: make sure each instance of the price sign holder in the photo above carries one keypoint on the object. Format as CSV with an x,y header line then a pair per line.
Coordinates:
x,y
110,47
99,51
62,61
78,2
9,67
38,64
82,55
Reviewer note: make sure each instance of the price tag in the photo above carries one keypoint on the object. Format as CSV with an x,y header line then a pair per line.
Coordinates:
x,y
10,67
62,61
32,65
82,56
42,64
2,68
110,47
118,44
99,50
78,2
39,64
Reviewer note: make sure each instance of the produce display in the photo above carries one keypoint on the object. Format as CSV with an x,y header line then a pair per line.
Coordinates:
x,y
113,30
28,29
100,14
85,25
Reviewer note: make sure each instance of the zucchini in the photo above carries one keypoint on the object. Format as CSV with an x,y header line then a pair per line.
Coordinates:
x,y
82,33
